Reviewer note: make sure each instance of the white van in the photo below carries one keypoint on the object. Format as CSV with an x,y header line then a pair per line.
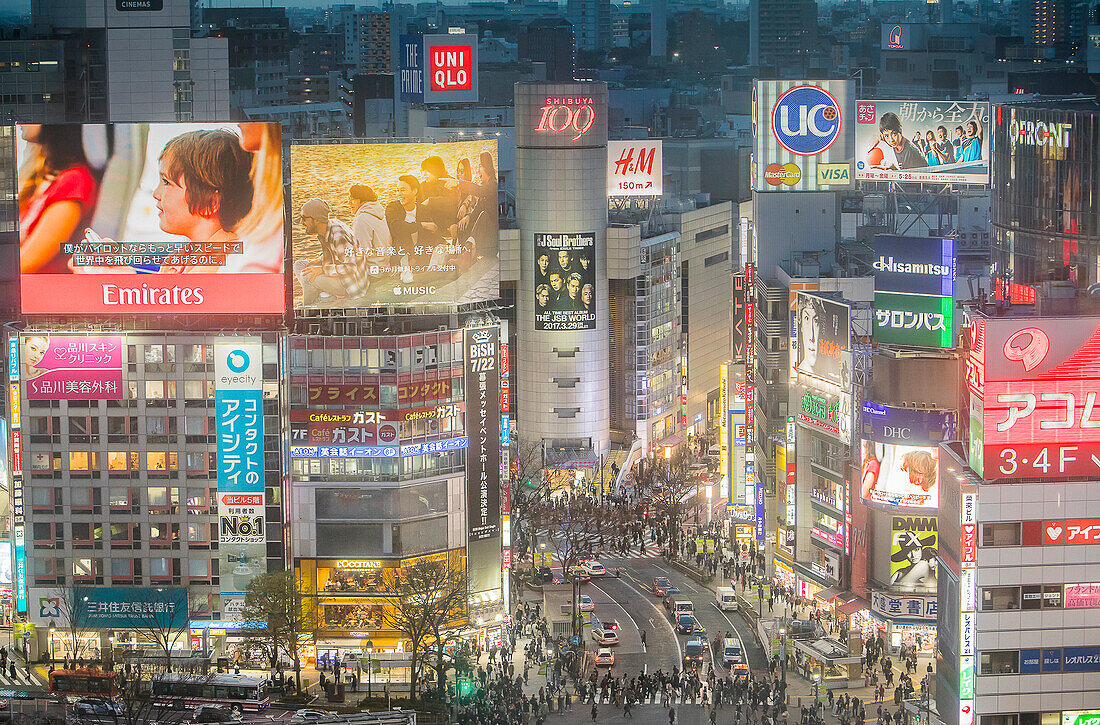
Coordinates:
x,y
726,599
732,656
682,607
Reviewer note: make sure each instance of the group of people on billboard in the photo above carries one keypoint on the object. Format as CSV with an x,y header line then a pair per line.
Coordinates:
x,y
427,229
929,147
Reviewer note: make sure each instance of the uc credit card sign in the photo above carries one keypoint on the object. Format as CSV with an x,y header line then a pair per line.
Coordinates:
x,y
804,138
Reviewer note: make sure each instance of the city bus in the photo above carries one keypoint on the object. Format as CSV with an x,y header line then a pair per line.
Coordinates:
x,y
87,681
237,692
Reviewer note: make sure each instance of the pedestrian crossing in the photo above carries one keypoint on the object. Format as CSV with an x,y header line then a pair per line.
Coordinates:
x,y
656,699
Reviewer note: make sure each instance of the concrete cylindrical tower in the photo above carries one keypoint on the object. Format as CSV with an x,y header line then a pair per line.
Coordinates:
x,y
561,205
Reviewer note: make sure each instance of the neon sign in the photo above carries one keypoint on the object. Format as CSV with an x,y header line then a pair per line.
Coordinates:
x,y
567,114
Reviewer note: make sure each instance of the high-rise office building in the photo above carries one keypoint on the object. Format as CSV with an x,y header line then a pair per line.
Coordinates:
x,y
591,23
782,33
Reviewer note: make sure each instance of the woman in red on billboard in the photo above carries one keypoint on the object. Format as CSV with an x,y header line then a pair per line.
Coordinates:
x,y
57,197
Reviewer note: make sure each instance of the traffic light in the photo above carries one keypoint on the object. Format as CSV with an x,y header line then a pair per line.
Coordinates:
x,y
465,687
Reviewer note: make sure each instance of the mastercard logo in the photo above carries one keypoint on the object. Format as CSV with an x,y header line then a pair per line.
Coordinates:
x,y
776,174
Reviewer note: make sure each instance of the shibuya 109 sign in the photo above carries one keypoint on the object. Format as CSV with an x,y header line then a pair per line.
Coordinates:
x,y
1035,385
567,116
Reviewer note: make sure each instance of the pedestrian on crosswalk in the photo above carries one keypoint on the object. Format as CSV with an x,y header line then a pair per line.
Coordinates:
x,y
595,711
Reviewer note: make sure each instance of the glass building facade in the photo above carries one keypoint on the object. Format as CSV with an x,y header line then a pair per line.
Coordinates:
x,y
1046,197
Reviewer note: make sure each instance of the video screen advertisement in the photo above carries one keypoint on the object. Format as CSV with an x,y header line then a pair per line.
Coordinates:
x,y
914,291
914,546
900,454
803,136
1033,387
824,332
394,224
943,142
565,281
150,219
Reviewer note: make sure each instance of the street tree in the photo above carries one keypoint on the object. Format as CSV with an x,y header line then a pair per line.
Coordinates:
x,y
666,483
431,597
162,616
67,607
528,487
282,615
574,530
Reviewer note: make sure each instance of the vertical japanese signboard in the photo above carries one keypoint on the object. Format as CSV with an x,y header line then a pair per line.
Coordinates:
x,y
751,483
968,601
482,348
238,400
724,422
19,521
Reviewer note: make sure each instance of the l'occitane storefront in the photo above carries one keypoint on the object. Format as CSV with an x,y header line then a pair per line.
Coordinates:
x,y
353,597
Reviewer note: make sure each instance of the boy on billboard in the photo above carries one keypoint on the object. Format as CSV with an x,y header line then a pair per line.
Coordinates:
x,y
893,150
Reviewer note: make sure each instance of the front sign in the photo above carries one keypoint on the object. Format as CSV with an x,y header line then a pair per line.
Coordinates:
x,y
567,117
438,68
824,332
71,367
565,281
904,607
635,168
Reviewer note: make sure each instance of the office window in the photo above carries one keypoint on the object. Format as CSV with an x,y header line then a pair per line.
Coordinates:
x,y
1002,662
997,599
1005,533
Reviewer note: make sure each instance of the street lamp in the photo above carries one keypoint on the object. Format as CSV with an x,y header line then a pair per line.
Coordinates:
x,y
370,648
52,626
817,681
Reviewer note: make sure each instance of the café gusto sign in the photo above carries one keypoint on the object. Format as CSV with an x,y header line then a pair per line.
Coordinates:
x,y
568,114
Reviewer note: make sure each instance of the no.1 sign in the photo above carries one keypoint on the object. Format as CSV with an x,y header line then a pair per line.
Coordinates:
x,y
450,68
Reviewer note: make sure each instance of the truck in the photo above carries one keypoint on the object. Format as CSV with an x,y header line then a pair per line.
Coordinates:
x,y
726,599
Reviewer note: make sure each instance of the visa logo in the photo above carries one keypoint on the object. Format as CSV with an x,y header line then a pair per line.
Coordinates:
x,y
833,174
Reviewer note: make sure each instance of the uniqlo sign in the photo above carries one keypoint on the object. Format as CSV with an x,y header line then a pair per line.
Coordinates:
x,y
450,68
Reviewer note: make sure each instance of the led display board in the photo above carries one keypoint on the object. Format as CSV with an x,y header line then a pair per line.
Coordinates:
x,y
565,281
394,224
923,141
900,454
824,332
913,551
804,137
438,68
165,218
482,358
914,291
635,168
1034,386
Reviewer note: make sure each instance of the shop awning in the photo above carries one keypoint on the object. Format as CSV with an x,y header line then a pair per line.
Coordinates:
x,y
671,442
827,595
848,603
